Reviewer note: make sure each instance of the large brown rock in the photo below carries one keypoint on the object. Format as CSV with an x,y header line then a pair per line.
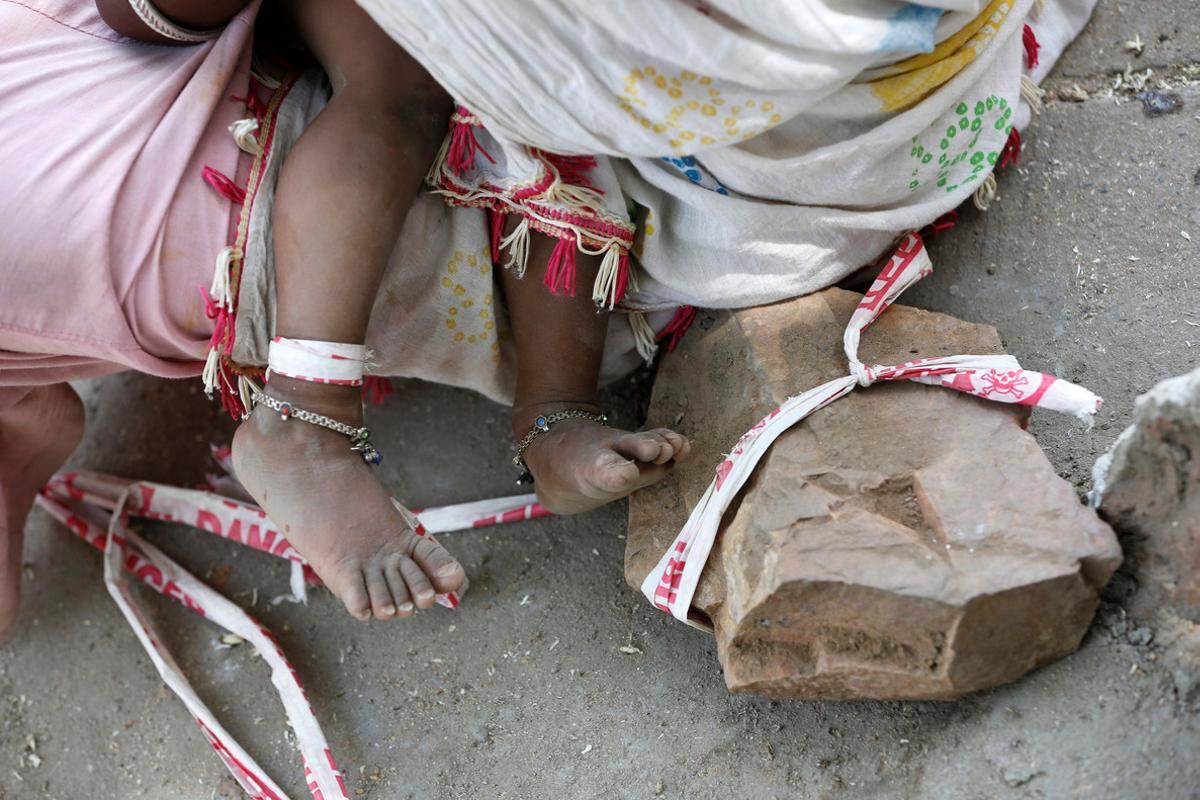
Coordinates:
x,y
907,541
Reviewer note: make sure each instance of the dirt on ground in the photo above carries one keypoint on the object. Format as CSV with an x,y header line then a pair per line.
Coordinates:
x,y
554,679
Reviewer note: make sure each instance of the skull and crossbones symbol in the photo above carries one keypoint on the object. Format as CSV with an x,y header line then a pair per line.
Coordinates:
x,y
1004,383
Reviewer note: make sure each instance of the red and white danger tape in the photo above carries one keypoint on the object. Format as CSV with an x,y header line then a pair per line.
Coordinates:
x,y
316,361
671,585
98,508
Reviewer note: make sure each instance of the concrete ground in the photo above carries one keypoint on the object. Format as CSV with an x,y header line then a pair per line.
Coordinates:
x,y
1085,268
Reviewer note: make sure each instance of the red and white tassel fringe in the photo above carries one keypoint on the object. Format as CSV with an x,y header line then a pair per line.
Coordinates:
x,y
1029,40
572,169
223,186
1011,152
377,389
245,133
219,304
943,223
678,326
562,203
1032,93
643,336
460,155
612,279
560,271
253,104
986,193
517,244
496,219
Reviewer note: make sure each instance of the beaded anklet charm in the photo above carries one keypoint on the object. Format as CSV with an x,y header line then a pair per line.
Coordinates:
x,y
542,424
359,437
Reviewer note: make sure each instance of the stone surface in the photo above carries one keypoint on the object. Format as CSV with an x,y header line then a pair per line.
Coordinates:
x,y
905,542
1179,640
1150,487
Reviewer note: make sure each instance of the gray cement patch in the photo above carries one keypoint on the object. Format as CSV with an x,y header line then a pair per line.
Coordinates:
x,y
1168,29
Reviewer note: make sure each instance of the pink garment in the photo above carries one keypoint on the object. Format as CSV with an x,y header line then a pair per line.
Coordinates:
x,y
107,231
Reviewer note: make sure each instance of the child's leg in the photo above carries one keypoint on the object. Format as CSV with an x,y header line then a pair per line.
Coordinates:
x,y
39,427
343,195
578,465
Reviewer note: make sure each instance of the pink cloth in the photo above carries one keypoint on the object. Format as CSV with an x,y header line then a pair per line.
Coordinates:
x,y
107,231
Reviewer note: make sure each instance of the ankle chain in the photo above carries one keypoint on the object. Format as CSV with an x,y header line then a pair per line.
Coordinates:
x,y
542,424
359,437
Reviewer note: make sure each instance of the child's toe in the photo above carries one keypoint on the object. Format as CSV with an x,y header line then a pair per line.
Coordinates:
x,y
648,446
679,442
418,583
446,574
666,451
399,589
382,604
354,596
612,473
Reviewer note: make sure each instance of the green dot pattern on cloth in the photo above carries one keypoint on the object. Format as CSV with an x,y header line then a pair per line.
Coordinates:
x,y
959,143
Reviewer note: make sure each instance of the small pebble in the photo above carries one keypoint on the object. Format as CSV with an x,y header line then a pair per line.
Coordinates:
x,y
1140,637
1158,103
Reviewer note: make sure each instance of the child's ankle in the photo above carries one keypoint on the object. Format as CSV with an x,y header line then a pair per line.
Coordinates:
x,y
341,403
523,415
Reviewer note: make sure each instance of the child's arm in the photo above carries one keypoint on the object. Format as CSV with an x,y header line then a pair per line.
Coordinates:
x,y
197,15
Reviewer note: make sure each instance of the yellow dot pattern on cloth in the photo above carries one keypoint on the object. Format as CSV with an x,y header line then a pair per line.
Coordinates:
x,y
470,315
911,81
644,232
689,112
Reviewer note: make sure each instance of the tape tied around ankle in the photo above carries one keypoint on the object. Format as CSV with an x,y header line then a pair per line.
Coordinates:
x,y
318,362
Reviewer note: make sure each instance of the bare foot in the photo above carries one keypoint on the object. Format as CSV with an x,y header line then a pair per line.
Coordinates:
x,y
579,465
331,507
39,428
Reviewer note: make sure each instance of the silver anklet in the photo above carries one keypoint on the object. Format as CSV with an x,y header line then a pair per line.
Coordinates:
x,y
542,425
359,437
